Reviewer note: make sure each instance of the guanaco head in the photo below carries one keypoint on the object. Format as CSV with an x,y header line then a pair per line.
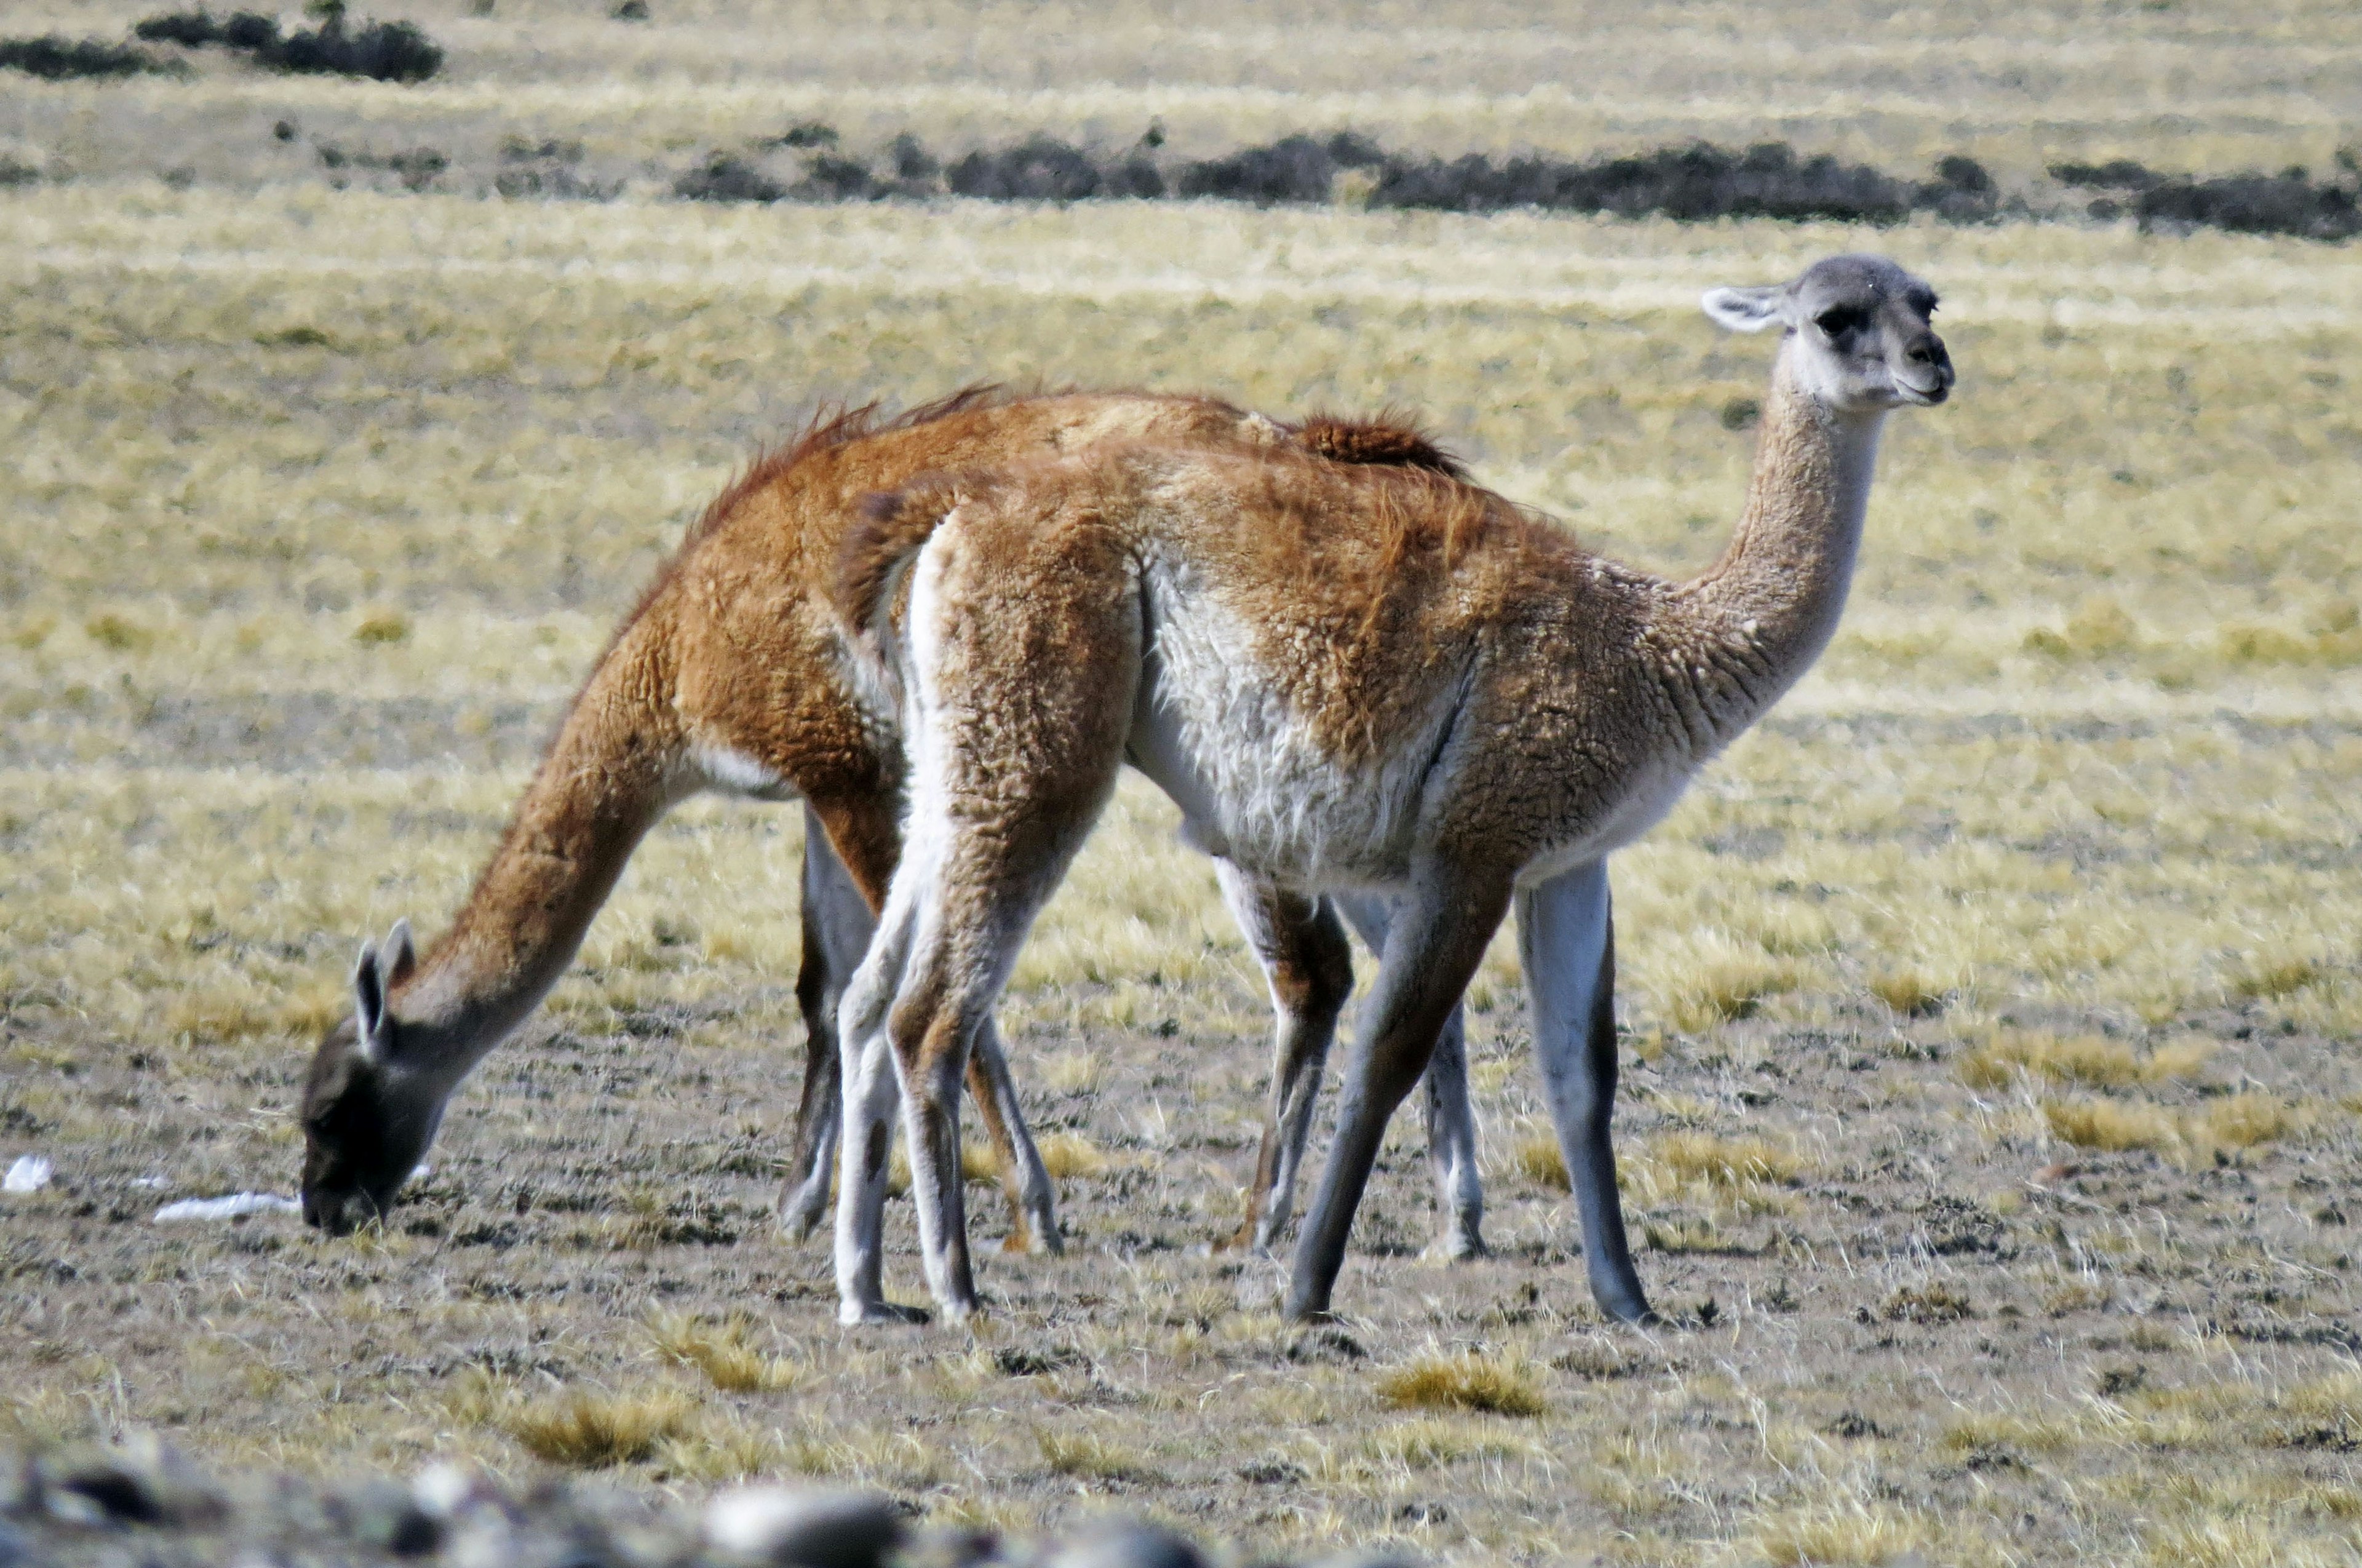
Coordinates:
x,y
367,1119
1858,331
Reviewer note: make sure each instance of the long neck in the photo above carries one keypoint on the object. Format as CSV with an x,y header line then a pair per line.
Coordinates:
x,y
1763,614
612,773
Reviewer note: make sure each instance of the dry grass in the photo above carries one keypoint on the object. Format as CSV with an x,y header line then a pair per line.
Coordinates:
x,y
725,1352
1840,1531
1086,1456
2233,1122
594,1429
2088,1060
1470,1382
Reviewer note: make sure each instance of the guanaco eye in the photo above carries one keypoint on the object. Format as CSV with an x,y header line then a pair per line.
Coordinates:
x,y
1839,321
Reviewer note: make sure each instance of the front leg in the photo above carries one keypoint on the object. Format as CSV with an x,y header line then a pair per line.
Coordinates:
x,y
836,931
1440,929
1567,940
1450,1123
1025,1180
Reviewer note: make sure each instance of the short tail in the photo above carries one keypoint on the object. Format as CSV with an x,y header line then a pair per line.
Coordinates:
x,y
1388,441
892,528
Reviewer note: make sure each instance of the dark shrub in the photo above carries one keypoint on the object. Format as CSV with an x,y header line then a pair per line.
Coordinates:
x,y
727,179
380,51
912,160
1037,170
1295,169
2256,203
250,29
1350,151
1136,177
2120,174
2286,202
190,29
1963,191
548,169
828,178
811,133
1693,183
54,59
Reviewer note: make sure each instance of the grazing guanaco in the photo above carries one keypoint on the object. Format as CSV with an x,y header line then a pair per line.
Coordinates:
x,y
735,673
1384,680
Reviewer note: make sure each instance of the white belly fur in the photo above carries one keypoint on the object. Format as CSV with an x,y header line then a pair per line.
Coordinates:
x,y
1252,781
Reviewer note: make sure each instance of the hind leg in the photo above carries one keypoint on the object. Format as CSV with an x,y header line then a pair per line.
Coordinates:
x,y
1309,967
1450,1123
1015,740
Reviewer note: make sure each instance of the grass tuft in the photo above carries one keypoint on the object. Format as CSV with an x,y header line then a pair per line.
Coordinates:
x,y
1536,1157
1926,1304
1726,1162
2111,1125
1085,1456
1719,990
1910,993
592,1429
1464,1383
2091,1060
1068,1155
1840,1531
725,1353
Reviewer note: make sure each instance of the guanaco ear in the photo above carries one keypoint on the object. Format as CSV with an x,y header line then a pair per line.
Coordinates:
x,y
398,958
369,1005
1746,310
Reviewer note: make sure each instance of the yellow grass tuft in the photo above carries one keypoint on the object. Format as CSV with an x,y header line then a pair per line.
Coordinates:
x,y
252,1014
1429,1442
112,631
592,1430
1716,990
381,628
1844,1531
1910,992
1535,1156
723,1352
1726,1162
1086,1456
2240,1543
2111,1124
1075,1072
1464,1383
2270,979
2244,1121
2090,1060
1068,1155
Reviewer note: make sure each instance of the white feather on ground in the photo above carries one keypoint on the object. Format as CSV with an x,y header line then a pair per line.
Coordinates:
x,y
30,1174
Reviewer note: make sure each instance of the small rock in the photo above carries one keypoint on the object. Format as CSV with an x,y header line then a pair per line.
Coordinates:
x,y
1128,1544
385,1516
807,1529
1369,1560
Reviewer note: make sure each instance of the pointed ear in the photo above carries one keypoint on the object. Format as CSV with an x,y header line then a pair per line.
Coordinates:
x,y
1746,309
369,1003
398,958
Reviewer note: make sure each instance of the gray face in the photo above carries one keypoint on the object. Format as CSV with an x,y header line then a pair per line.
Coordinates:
x,y
1859,326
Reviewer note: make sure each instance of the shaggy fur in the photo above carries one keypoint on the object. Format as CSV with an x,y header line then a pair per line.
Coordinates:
x,y
1347,678
735,671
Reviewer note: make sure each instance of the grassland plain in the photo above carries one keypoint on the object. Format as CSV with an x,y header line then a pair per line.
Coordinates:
x,y
1993,1121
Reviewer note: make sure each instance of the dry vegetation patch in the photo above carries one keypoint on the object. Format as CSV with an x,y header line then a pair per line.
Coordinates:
x,y
1465,1382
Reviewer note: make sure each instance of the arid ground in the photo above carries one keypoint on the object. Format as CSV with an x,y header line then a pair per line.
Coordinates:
x,y
1994,1110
